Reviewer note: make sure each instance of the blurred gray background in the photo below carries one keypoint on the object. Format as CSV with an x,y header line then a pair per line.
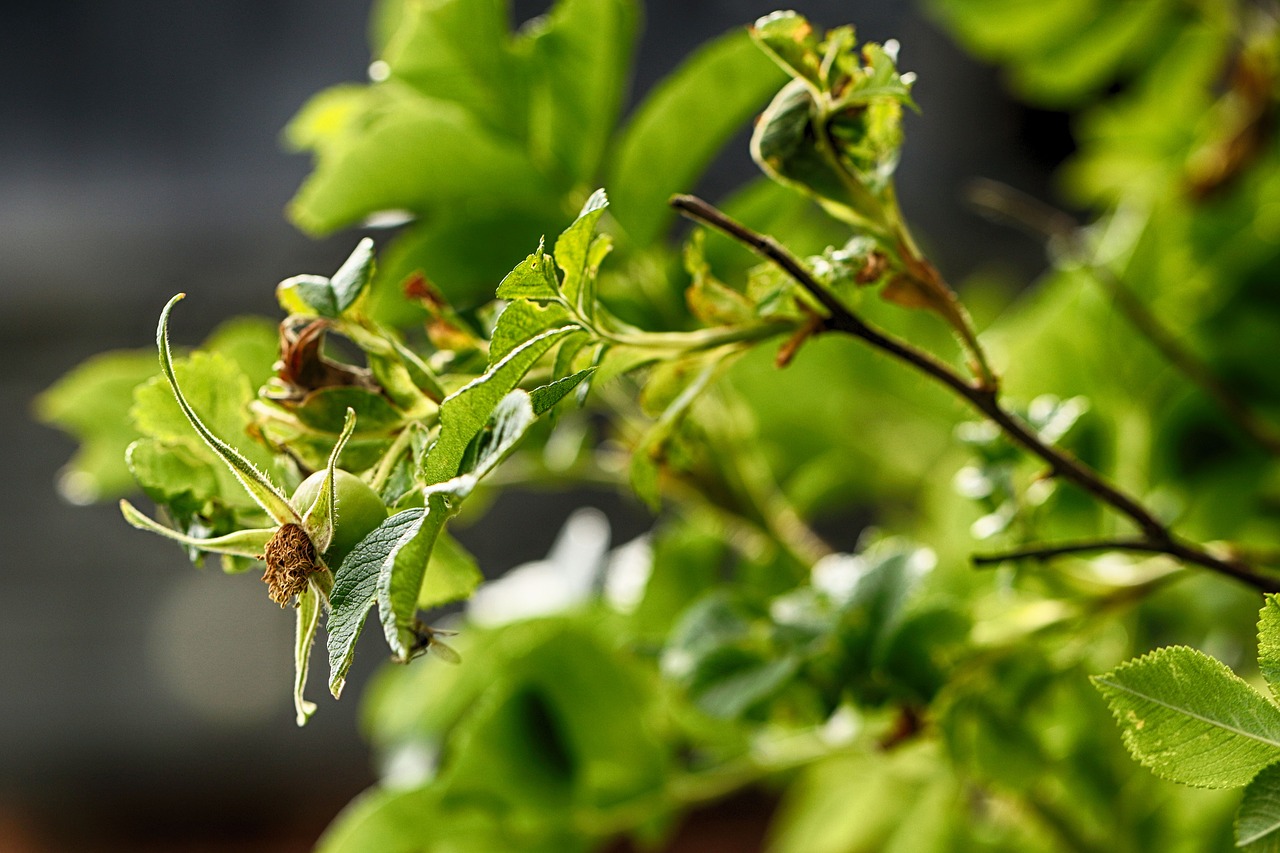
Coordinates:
x,y
145,705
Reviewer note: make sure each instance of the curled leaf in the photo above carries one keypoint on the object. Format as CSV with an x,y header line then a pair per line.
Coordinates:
x,y
308,621
261,489
319,518
312,295
241,543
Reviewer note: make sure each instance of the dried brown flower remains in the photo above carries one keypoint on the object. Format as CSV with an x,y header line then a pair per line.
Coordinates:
x,y
291,559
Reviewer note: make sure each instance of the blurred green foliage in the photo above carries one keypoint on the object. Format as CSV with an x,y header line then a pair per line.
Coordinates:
x,y
893,697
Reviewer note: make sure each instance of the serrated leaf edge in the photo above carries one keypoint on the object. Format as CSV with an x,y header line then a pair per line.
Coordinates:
x,y
1101,681
260,488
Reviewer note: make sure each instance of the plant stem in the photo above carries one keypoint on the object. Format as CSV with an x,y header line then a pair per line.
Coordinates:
x,y
1179,550
695,341
388,461
983,398
891,230
1048,552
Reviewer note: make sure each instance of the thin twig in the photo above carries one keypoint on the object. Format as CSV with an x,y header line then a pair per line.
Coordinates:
x,y
1088,546
1192,554
984,399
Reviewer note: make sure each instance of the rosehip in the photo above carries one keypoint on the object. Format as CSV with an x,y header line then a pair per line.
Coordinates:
x,y
358,511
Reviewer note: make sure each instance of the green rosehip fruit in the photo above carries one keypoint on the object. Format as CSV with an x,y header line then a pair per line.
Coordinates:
x,y
359,510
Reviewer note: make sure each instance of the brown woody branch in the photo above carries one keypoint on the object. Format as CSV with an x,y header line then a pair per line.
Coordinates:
x,y
1155,538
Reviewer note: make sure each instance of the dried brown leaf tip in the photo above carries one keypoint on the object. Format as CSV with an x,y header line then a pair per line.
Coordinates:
x,y
873,268
445,329
303,368
813,325
291,559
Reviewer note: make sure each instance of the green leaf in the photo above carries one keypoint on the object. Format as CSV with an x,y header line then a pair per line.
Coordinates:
x,y
508,423
309,609
386,820
460,255
1189,718
308,295
325,116
789,40
711,301
326,410
253,343
355,588
891,802
92,403
172,475
311,295
573,248
568,354
1258,822
920,654
601,246
687,560
402,589
519,322
399,585
311,448
452,574
418,154
872,591
534,278
396,820
349,282
465,412
621,359
261,489
318,520
719,653
462,51
717,619
403,381
1058,52
581,56
680,127
729,689
241,543
648,455
565,724
1269,642
783,146
212,383
420,373
548,395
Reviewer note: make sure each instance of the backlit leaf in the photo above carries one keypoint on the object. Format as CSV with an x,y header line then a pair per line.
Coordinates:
x,y
581,53
466,411
574,245
1189,718
1258,822
534,278
1269,643
520,321
548,395
417,154
92,403
261,489
452,574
